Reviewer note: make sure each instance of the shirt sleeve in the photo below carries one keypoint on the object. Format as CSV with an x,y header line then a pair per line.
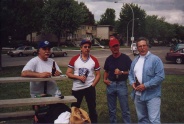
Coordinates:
x,y
105,65
97,65
31,65
72,61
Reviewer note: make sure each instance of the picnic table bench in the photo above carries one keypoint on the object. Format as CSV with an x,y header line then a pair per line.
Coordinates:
x,y
29,101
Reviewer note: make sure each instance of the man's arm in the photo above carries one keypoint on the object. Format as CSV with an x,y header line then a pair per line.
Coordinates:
x,y
97,78
29,73
159,75
105,78
70,74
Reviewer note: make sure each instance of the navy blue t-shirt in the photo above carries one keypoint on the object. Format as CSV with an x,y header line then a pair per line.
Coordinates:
x,y
123,63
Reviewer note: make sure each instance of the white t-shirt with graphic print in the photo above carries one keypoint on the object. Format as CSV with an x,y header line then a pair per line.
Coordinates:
x,y
80,67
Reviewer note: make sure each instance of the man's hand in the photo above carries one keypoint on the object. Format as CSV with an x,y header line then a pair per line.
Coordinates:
x,y
117,72
82,78
107,82
45,75
134,85
140,88
57,73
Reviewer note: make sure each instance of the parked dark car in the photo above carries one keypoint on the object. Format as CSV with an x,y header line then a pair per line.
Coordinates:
x,y
56,51
176,47
23,51
176,56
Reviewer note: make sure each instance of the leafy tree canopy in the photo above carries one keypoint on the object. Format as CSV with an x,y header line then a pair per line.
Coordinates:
x,y
108,18
62,15
89,17
126,18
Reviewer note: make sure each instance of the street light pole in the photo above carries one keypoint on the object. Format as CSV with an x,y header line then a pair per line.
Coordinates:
x,y
127,32
127,29
132,38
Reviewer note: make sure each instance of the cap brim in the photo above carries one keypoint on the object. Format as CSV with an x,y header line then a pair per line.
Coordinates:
x,y
46,46
85,43
114,44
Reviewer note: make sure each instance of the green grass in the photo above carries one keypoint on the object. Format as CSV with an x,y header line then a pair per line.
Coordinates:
x,y
172,107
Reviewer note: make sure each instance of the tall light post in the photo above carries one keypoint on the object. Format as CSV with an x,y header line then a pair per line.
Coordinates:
x,y
132,38
127,32
127,29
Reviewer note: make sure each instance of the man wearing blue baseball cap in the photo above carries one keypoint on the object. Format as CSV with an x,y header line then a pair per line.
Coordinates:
x,y
84,69
41,67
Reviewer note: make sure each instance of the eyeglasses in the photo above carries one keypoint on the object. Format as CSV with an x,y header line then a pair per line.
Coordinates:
x,y
87,47
142,46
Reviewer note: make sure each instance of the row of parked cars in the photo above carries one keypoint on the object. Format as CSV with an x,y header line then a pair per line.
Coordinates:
x,y
30,50
176,54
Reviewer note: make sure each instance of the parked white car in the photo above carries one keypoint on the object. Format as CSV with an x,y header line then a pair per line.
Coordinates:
x,y
23,51
57,52
134,49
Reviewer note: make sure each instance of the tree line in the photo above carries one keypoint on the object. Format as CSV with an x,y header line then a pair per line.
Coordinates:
x,y
22,17
152,27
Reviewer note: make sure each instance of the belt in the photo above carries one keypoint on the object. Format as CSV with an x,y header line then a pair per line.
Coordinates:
x,y
117,81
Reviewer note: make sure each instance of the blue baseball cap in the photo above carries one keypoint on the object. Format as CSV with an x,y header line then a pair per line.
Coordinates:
x,y
85,41
43,44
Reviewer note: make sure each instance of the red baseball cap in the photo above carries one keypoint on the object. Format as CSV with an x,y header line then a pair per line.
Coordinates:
x,y
113,41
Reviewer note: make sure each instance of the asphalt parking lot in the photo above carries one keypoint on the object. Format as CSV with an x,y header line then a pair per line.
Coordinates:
x,y
101,55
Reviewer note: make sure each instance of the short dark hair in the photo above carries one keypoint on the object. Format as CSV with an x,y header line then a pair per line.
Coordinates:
x,y
142,38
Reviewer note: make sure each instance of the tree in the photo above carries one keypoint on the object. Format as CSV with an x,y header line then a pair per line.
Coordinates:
x,y
108,18
125,17
89,17
157,28
179,31
21,17
18,18
62,16
31,17
151,27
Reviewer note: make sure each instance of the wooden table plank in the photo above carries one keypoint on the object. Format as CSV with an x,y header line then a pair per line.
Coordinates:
x,y
36,101
28,79
16,115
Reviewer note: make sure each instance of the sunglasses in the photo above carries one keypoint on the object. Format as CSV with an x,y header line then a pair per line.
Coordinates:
x,y
87,47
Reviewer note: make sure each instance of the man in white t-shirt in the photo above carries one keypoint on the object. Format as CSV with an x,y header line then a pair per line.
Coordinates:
x,y
146,76
41,67
81,69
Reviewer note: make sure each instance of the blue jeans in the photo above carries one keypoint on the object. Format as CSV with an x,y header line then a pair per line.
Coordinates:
x,y
118,90
148,111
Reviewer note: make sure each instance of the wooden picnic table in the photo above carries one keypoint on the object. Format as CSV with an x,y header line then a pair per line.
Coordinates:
x,y
30,101
28,79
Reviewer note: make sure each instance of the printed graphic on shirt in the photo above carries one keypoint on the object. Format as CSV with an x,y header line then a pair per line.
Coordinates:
x,y
83,71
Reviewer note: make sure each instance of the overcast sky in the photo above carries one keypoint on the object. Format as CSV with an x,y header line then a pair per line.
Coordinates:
x,y
172,10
